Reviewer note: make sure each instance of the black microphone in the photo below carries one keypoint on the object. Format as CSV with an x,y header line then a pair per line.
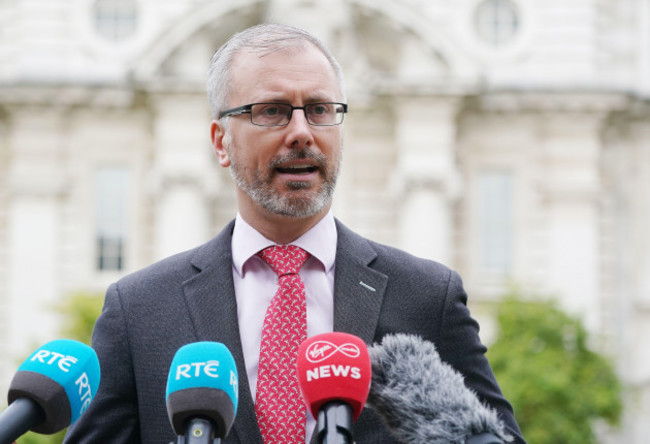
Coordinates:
x,y
51,389
424,400
202,393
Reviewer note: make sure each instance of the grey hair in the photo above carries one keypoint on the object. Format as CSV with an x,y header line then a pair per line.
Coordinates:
x,y
264,38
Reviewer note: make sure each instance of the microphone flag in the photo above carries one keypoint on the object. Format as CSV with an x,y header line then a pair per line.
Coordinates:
x,y
334,367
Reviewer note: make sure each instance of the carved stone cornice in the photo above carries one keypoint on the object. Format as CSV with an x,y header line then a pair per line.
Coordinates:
x,y
87,96
160,184
448,185
552,101
36,184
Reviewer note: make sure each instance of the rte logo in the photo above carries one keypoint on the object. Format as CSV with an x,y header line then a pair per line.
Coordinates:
x,y
50,358
196,369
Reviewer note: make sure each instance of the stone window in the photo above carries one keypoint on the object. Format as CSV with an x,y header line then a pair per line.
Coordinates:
x,y
115,20
497,21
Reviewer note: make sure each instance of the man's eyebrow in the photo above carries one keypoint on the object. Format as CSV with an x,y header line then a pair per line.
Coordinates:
x,y
321,98
282,101
311,99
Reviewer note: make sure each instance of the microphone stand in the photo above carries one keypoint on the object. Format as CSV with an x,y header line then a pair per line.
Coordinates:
x,y
335,423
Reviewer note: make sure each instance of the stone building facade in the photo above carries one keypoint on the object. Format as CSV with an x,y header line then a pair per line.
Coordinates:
x,y
509,139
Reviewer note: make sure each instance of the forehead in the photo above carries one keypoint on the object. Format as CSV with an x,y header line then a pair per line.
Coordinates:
x,y
296,70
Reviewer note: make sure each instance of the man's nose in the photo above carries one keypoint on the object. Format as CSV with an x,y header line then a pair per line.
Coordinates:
x,y
299,133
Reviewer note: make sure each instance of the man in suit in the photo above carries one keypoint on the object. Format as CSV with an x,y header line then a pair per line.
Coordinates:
x,y
278,104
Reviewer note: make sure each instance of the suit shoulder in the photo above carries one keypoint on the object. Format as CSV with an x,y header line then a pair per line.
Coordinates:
x,y
176,268
185,264
388,259
393,258
179,263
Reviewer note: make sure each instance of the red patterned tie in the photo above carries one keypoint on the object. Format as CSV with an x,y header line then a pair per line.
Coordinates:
x,y
281,412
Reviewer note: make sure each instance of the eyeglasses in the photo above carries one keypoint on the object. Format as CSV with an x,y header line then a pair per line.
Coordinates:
x,y
279,114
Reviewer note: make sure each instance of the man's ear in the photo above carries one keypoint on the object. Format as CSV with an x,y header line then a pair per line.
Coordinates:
x,y
218,134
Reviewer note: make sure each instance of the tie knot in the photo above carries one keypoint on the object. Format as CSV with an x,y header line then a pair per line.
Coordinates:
x,y
284,259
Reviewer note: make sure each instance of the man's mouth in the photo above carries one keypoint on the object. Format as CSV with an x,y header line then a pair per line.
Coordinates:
x,y
297,169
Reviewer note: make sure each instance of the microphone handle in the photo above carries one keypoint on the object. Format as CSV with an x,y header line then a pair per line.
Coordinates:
x,y
484,438
198,431
335,423
21,415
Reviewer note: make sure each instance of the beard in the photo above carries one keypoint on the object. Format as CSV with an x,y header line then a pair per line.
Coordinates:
x,y
305,202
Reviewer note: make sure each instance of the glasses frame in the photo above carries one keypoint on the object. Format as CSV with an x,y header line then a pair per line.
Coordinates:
x,y
247,109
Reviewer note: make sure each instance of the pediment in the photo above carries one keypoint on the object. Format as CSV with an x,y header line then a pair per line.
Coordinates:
x,y
383,46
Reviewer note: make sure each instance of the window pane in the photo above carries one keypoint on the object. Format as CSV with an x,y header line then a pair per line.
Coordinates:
x,y
111,217
496,221
115,19
497,21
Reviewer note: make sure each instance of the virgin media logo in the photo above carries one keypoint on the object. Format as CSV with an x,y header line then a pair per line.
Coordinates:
x,y
322,350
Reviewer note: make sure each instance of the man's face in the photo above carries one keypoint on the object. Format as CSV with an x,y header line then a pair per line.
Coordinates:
x,y
289,170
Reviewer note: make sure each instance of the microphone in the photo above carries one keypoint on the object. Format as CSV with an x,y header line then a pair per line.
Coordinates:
x,y
334,376
424,400
52,388
202,392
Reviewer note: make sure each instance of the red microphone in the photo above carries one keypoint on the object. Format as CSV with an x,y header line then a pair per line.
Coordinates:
x,y
334,373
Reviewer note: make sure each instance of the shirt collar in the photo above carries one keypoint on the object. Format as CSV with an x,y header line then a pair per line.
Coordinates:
x,y
319,241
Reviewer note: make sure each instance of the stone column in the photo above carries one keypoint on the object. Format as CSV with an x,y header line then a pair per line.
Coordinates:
x,y
570,194
182,174
427,177
34,184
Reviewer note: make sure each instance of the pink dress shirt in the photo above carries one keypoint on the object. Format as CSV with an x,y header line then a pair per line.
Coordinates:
x,y
256,283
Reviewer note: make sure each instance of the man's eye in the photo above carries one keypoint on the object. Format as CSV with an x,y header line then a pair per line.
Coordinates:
x,y
319,109
270,111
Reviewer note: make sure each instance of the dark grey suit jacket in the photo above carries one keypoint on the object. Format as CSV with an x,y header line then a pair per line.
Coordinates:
x,y
190,297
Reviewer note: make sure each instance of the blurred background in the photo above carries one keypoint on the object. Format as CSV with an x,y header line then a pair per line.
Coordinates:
x,y
508,139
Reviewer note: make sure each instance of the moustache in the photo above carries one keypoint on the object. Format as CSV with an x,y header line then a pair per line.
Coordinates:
x,y
319,158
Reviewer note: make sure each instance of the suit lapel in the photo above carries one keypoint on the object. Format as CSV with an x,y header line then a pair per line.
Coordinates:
x,y
358,289
210,298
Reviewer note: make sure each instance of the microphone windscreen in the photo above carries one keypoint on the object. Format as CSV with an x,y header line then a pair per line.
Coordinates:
x,y
422,399
203,382
334,367
62,377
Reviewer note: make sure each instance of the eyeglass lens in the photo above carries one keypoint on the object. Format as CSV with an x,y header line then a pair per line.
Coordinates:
x,y
277,114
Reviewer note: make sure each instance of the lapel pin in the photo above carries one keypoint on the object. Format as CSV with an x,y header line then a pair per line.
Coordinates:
x,y
364,285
